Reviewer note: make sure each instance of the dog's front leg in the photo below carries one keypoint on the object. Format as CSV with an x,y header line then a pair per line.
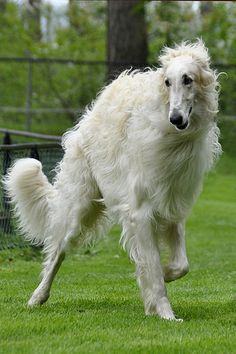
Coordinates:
x,y
178,265
149,271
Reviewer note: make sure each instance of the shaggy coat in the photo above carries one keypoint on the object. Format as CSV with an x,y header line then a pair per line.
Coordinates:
x,y
137,158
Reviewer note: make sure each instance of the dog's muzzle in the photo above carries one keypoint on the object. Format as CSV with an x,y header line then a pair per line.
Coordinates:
x,y
176,119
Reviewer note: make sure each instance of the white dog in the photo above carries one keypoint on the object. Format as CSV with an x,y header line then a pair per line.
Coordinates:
x,y
137,158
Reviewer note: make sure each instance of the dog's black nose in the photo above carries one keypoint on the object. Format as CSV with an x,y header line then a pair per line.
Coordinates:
x,y
176,118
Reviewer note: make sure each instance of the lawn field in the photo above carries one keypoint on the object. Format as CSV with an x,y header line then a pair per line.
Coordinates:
x,y
95,306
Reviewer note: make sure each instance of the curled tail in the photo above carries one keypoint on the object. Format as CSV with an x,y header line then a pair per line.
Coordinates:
x,y
29,190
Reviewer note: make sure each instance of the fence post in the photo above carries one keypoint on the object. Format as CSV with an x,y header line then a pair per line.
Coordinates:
x,y
34,153
29,94
7,139
5,218
6,155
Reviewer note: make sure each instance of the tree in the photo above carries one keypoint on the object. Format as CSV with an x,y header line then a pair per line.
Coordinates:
x,y
127,35
73,13
33,19
3,4
169,22
206,7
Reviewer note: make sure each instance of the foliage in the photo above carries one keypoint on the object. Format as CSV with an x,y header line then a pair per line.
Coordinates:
x,y
218,31
95,305
78,32
228,133
54,85
171,22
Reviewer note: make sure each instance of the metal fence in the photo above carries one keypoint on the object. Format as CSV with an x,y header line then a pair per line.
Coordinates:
x,y
42,94
52,90
49,154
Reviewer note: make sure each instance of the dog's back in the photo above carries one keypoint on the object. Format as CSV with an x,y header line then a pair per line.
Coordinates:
x,y
137,157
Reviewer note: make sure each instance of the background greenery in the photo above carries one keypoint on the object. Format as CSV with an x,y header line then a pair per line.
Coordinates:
x,y
81,35
95,304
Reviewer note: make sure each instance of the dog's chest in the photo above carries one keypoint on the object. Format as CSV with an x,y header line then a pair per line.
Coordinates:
x,y
173,179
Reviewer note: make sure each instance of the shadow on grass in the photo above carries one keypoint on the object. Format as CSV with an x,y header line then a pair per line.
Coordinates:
x,y
89,305
207,310
220,311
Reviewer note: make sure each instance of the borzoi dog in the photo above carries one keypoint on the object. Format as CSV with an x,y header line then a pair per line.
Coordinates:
x,y
137,158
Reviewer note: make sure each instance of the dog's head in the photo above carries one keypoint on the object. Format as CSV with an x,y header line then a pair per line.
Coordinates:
x,y
187,78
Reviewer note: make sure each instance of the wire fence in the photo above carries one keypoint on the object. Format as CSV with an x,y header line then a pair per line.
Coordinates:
x,y
47,94
42,94
49,153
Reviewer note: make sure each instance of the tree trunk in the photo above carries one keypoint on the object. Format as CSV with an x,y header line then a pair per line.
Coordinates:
x,y
127,36
73,13
206,7
33,19
3,4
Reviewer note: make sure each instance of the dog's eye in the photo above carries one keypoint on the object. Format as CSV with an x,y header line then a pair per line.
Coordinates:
x,y
167,83
187,80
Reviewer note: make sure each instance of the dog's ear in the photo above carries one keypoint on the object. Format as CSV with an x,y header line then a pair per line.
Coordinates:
x,y
207,77
201,55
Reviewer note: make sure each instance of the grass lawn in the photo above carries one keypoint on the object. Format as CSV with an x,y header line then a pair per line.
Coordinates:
x,y
95,305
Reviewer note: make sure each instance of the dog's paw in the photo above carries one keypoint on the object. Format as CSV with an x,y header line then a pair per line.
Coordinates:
x,y
163,310
166,315
173,272
180,320
38,298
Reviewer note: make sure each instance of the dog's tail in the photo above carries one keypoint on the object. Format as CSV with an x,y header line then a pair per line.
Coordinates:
x,y
30,191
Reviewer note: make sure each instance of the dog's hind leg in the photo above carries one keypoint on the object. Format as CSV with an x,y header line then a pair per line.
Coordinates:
x,y
42,292
56,252
73,212
178,266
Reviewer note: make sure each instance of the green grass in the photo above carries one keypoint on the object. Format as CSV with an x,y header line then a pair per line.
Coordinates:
x,y
95,305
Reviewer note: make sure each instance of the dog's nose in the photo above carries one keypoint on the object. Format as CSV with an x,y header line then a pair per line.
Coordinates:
x,y
176,118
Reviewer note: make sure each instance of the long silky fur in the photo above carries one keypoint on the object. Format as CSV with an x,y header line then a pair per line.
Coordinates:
x,y
124,162
29,190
